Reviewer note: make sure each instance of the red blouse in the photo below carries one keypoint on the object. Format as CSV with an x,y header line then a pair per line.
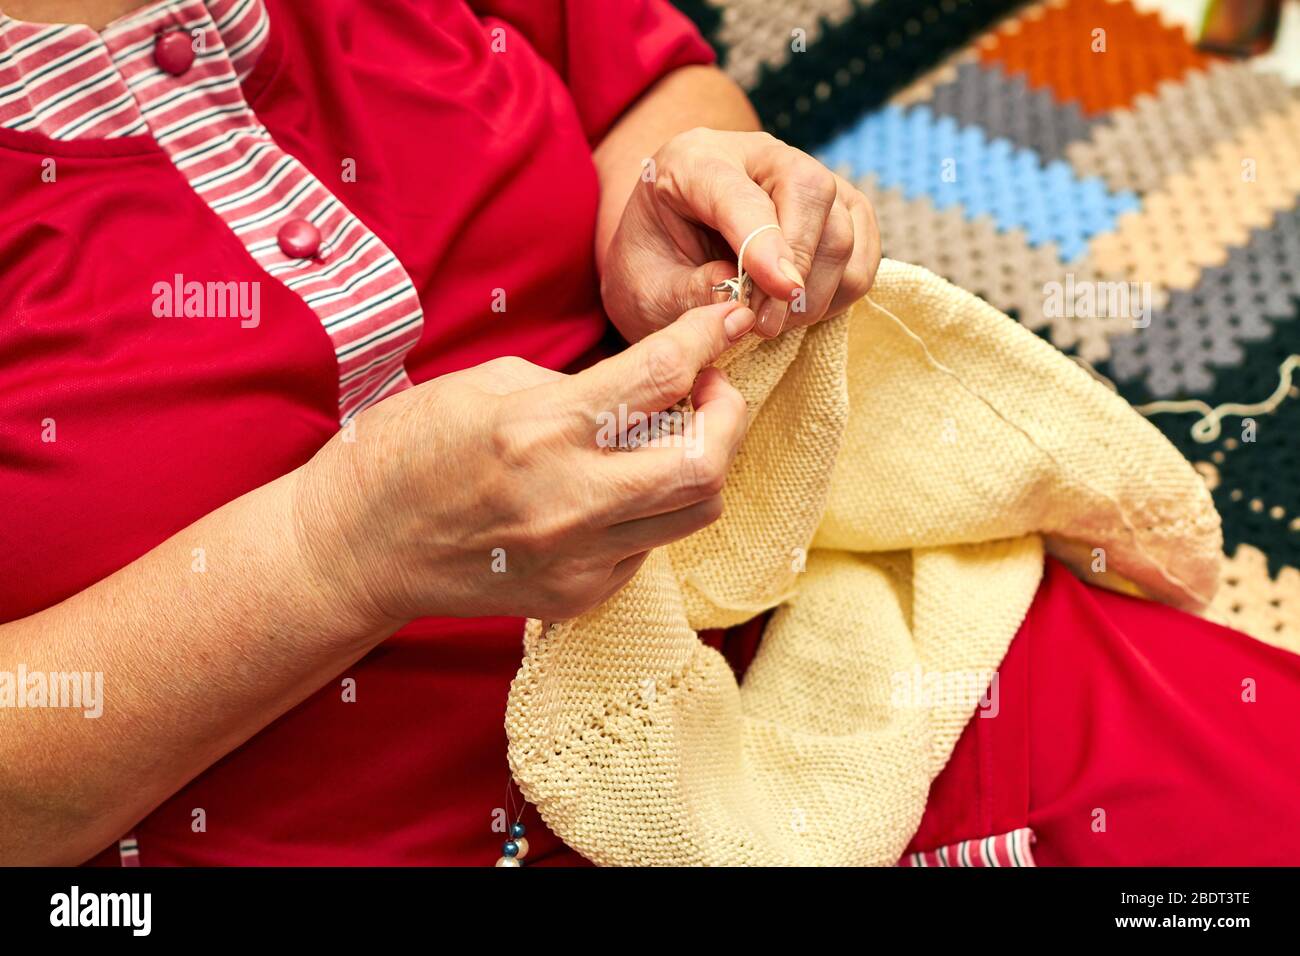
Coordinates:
x,y
436,155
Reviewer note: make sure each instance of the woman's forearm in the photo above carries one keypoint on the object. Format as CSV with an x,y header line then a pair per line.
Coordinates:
x,y
453,498
201,643
686,98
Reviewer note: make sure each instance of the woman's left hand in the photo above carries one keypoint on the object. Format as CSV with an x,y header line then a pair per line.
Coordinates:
x,y
700,195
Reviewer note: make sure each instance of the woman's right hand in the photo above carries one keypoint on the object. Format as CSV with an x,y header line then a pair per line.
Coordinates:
x,y
487,491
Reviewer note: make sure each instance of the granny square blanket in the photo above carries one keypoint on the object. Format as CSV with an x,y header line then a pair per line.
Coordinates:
x,y
1081,166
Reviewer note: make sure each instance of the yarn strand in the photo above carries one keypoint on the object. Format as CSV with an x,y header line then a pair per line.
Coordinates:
x,y
740,285
1210,425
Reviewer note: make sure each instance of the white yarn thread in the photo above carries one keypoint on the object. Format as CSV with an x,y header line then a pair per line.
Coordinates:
x,y
1209,426
741,285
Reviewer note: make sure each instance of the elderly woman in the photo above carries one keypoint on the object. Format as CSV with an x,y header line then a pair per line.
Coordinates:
x,y
303,336
402,195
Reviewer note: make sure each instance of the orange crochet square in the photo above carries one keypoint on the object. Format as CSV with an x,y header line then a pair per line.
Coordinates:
x,y
1053,45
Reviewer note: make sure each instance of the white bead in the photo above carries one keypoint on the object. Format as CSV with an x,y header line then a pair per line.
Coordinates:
x,y
508,861
522,843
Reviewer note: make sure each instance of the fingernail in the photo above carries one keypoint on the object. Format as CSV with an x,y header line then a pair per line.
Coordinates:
x,y
771,317
738,322
790,272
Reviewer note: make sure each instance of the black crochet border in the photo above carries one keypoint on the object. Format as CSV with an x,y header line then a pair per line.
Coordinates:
x,y
1264,469
708,20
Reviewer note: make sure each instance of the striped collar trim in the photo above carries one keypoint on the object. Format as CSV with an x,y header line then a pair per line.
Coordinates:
x,y
68,81
1005,849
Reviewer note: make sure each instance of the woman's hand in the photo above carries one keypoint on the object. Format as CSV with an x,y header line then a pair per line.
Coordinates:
x,y
480,493
488,491
702,193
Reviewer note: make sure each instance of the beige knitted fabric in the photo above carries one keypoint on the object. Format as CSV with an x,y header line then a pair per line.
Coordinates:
x,y
894,512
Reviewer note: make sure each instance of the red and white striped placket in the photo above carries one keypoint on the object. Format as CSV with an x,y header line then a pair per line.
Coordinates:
x,y
71,82
1005,849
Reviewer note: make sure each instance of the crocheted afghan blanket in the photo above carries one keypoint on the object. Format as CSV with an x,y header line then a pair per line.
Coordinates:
x,y
1084,168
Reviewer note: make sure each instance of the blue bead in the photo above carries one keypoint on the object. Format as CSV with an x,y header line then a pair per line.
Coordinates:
x,y
511,848
517,830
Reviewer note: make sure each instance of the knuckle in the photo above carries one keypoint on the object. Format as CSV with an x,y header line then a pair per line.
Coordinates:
x,y
814,184
710,510
507,363
837,240
513,442
859,277
695,136
702,476
544,537
664,184
687,143
856,283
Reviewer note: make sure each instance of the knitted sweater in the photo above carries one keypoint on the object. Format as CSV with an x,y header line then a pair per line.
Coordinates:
x,y
906,465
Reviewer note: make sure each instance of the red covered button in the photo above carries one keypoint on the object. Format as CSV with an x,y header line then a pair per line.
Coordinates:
x,y
174,52
299,239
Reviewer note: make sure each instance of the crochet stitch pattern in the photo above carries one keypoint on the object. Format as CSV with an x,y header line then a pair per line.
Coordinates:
x,y
1005,107
1205,327
854,53
1090,141
1055,46
1166,130
925,154
1000,266
758,36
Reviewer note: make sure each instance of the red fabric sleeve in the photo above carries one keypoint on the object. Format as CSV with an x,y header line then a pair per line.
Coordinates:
x,y
608,52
